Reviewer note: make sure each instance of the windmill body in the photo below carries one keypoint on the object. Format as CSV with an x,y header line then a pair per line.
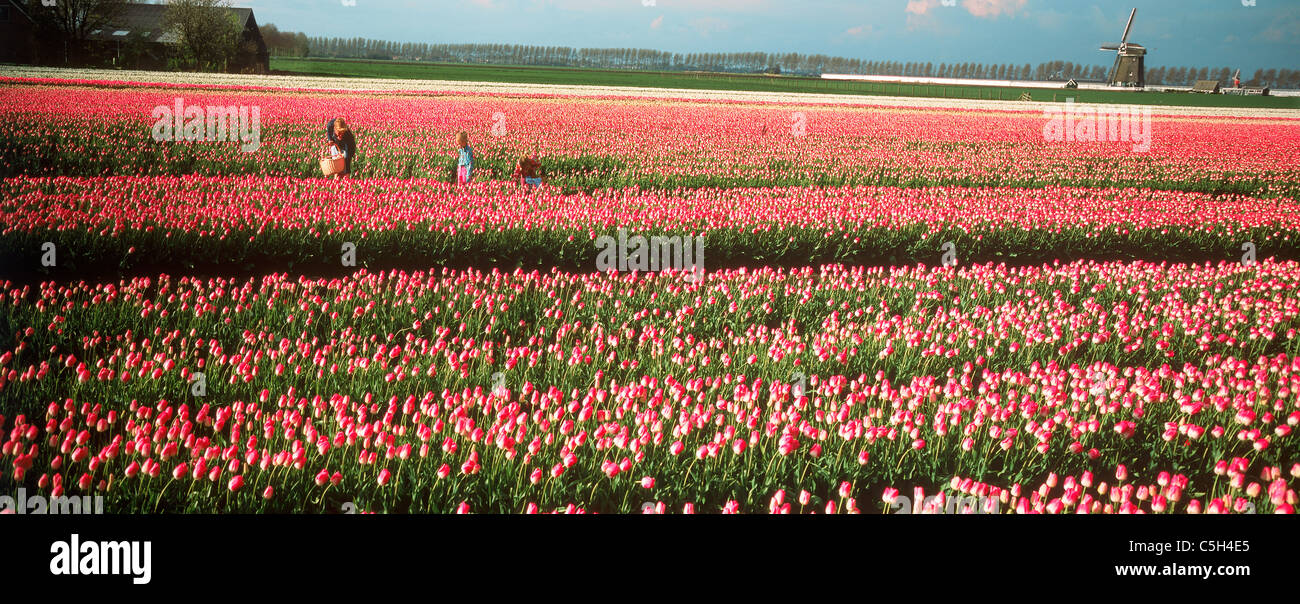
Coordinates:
x,y
1129,67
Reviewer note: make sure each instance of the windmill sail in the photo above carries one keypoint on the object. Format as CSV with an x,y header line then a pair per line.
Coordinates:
x,y
1127,27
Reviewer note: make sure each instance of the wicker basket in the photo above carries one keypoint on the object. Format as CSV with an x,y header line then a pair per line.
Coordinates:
x,y
332,165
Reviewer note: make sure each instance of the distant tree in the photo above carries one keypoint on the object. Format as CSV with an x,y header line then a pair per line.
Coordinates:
x,y
285,43
209,32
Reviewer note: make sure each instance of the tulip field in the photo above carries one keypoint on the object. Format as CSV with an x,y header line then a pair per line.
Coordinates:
x,y
593,144
900,309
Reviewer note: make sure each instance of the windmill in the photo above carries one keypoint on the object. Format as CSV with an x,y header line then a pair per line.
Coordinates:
x,y
1128,69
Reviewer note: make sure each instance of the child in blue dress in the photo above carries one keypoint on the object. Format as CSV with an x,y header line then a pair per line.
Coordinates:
x,y
465,163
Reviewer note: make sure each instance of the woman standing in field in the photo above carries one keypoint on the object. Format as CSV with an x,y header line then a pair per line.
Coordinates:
x,y
340,135
465,163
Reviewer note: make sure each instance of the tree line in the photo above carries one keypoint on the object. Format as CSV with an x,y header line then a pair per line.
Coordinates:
x,y
299,45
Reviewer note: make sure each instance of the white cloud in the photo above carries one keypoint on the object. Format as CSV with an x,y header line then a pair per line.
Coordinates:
x,y
920,7
1282,30
657,23
979,8
861,30
992,8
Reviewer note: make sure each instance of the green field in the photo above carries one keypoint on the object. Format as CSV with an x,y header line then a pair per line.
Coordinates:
x,y
757,83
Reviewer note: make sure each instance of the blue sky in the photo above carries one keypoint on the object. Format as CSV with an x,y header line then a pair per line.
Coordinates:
x,y
1212,33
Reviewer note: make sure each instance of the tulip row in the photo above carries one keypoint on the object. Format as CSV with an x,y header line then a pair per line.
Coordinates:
x,y
488,391
59,228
